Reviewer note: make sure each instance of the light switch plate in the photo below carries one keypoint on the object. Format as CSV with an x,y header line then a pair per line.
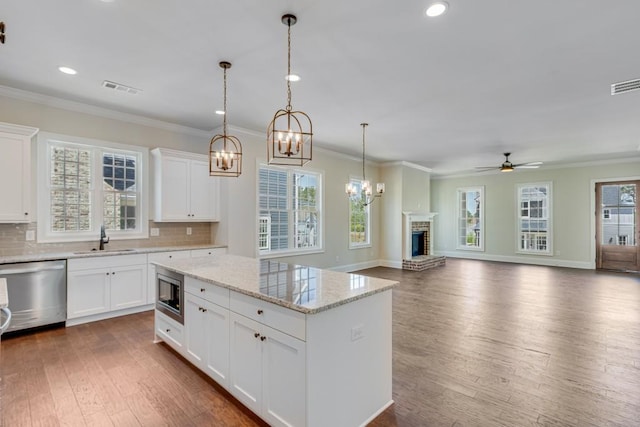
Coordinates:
x,y
189,231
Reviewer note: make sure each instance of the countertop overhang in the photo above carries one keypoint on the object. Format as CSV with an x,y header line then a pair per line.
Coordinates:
x,y
308,290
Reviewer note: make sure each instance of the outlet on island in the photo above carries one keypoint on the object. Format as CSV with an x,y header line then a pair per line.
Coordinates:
x,y
189,231
155,232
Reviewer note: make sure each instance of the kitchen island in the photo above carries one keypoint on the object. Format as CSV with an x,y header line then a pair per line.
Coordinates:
x,y
299,346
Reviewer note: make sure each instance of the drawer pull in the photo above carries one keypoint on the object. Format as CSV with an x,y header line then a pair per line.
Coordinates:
x,y
260,311
256,335
202,289
167,330
262,338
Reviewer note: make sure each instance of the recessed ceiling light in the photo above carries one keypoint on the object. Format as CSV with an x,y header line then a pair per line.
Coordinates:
x,y
220,112
437,8
292,77
67,70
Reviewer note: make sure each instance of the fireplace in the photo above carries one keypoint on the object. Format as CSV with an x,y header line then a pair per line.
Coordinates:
x,y
417,242
418,246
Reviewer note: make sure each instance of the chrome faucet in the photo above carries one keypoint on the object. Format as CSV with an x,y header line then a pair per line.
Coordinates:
x,y
103,238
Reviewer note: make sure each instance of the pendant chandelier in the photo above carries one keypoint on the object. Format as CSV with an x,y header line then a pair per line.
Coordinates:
x,y
366,195
289,135
225,151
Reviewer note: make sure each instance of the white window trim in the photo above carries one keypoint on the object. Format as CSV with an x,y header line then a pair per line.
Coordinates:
x,y
267,254
549,251
481,189
368,243
44,234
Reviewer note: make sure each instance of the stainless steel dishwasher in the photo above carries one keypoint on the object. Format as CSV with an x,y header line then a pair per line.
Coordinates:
x,y
37,293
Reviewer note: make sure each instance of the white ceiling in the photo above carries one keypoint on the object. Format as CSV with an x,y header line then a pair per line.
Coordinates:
x,y
449,93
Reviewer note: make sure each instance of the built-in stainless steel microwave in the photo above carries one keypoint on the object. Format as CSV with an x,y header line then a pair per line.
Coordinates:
x,y
170,293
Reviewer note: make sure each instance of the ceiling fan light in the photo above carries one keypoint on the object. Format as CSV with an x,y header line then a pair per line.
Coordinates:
x,y
437,8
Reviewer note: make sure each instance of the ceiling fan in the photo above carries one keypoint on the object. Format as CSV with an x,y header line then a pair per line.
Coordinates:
x,y
507,166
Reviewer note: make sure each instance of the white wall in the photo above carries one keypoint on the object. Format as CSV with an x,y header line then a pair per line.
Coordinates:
x,y
573,212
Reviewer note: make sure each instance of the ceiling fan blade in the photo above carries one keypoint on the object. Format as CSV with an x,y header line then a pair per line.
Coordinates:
x,y
487,168
526,166
529,164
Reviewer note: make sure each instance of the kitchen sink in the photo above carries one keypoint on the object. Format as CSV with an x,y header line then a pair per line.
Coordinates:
x,y
106,251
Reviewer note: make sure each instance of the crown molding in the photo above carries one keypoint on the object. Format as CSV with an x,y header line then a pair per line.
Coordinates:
x,y
584,164
80,107
407,164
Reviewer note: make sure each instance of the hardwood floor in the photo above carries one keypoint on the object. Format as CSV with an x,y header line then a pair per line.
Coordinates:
x,y
475,344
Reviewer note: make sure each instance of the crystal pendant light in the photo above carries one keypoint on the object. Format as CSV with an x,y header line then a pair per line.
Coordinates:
x,y
225,151
289,135
366,192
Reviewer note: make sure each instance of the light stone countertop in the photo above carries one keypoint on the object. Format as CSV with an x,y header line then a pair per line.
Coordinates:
x,y
48,256
305,289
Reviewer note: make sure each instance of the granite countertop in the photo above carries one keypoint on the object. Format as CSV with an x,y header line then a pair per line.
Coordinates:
x,y
48,256
305,289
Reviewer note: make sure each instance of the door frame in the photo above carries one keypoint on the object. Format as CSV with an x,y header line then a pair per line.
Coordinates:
x,y
594,212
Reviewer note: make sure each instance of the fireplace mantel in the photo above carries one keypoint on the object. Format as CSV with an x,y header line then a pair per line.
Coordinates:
x,y
408,218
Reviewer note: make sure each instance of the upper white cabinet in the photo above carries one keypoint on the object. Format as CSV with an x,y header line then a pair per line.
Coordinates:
x,y
183,189
15,173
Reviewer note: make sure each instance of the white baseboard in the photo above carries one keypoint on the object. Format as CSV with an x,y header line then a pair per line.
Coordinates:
x,y
109,315
542,260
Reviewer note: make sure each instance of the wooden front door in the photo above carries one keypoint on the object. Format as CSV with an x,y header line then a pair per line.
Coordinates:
x,y
617,231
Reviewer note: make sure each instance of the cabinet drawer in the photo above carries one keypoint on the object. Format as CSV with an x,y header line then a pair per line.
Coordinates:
x,y
169,330
210,292
208,252
166,256
283,319
105,261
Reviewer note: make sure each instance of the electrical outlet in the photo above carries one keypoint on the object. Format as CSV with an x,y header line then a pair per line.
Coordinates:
x,y
357,332
189,231
31,235
155,232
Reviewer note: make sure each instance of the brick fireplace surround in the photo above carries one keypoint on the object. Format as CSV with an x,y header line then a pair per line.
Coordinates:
x,y
419,222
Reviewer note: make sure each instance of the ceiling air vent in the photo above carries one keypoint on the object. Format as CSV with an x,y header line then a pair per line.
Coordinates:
x,y
120,87
622,87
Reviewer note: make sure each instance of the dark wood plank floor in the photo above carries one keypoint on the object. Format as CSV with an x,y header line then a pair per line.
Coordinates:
x,y
475,344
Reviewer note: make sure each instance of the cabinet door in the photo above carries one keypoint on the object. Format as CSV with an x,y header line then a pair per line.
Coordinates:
x,y
194,329
204,193
284,379
87,292
245,364
128,286
175,189
15,178
217,338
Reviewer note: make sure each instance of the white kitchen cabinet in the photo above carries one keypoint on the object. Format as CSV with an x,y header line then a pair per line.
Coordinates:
x,y
15,173
183,189
207,337
105,285
169,331
268,371
151,269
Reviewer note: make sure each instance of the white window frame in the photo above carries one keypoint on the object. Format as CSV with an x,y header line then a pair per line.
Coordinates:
x,y
367,226
291,250
45,233
520,233
458,219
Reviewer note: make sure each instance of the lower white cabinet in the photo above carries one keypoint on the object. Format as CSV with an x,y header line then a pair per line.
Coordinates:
x,y
169,331
207,337
105,284
268,371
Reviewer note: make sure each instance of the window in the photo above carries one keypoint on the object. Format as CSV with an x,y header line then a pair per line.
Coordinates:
x,y
289,217
82,186
534,220
470,219
359,218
